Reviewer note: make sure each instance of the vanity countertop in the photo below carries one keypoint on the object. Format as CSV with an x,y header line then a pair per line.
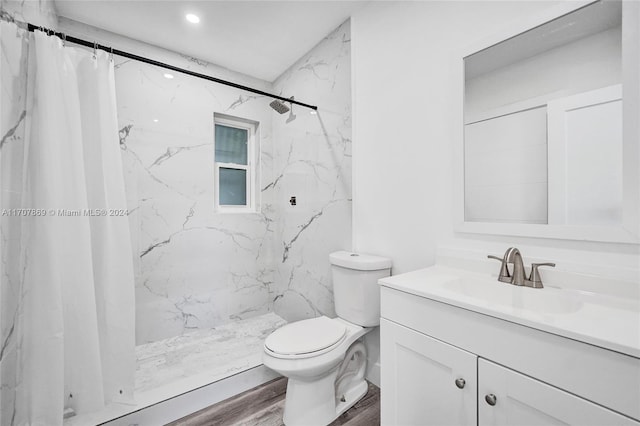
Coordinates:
x,y
606,321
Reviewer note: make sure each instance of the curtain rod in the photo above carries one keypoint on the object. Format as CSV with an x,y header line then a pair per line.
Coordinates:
x,y
128,55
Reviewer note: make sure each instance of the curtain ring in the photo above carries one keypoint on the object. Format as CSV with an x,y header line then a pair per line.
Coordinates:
x,y
64,39
111,53
95,50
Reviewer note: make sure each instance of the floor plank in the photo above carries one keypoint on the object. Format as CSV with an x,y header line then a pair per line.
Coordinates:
x,y
264,405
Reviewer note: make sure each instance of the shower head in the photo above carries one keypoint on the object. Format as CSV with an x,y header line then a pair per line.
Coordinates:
x,y
278,106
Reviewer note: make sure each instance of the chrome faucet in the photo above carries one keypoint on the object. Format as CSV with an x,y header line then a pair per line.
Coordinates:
x,y
513,256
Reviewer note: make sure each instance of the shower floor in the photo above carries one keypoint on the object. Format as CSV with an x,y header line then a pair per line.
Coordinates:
x,y
183,363
201,357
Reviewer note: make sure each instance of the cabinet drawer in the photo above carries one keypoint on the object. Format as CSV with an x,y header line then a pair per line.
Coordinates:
x,y
599,375
521,400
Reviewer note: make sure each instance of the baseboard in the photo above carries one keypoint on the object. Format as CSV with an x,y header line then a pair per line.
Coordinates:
x,y
373,374
197,399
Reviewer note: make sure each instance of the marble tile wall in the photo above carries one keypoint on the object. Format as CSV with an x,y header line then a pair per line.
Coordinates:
x,y
195,268
313,163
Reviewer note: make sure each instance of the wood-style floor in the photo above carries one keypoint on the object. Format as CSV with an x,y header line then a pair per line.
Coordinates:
x,y
263,405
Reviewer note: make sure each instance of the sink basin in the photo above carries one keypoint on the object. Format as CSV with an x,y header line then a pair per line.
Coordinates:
x,y
607,320
546,300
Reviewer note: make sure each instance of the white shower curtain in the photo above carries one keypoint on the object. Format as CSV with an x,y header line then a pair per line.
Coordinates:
x,y
76,343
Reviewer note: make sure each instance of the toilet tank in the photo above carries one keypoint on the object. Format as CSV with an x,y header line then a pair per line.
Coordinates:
x,y
355,286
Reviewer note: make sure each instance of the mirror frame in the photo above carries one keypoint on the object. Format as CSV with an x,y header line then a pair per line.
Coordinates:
x,y
629,230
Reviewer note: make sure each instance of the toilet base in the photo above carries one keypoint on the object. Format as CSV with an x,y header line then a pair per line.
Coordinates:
x,y
321,400
304,405
352,396
310,403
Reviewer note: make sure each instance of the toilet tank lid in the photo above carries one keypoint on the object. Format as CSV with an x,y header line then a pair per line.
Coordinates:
x,y
359,261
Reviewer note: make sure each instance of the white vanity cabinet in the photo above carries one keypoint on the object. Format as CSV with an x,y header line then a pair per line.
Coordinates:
x,y
428,382
429,339
423,378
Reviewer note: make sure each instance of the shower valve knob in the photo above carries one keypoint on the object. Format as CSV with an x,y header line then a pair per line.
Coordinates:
x,y
491,399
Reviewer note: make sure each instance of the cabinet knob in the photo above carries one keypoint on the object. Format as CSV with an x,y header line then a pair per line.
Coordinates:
x,y
491,399
460,383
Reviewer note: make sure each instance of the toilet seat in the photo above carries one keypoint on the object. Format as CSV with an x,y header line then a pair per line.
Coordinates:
x,y
306,338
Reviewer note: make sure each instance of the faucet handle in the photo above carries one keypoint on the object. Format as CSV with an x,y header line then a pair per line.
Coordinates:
x,y
504,276
534,278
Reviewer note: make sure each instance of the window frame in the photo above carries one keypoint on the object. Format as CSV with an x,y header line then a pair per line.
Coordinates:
x,y
252,136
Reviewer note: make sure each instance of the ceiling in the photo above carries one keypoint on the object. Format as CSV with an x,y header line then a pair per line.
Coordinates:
x,y
260,38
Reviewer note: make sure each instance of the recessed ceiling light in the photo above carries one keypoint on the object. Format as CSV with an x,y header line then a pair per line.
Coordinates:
x,y
155,120
194,19
167,75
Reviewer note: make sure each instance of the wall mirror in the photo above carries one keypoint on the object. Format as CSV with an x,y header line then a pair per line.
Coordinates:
x,y
550,127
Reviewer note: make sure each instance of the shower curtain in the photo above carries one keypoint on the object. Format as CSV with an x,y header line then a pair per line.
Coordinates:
x,y
74,325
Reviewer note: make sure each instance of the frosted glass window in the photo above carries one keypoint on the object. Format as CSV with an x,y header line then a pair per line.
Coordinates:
x,y
235,166
233,187
232,144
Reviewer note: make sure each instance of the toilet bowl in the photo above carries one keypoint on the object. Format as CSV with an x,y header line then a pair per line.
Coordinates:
x,y
325,358
326,373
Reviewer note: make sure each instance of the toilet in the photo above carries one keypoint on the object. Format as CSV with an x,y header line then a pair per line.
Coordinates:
x,y
324,358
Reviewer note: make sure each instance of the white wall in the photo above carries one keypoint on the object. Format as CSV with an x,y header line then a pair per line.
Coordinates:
x,y
404,131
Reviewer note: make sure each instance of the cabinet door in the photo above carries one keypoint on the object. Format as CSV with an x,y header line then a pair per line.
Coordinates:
x,y
521,400
418,379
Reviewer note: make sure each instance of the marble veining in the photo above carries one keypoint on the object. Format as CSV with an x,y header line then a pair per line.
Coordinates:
x,y
242,99
9,135
195,268
313,160
301,229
